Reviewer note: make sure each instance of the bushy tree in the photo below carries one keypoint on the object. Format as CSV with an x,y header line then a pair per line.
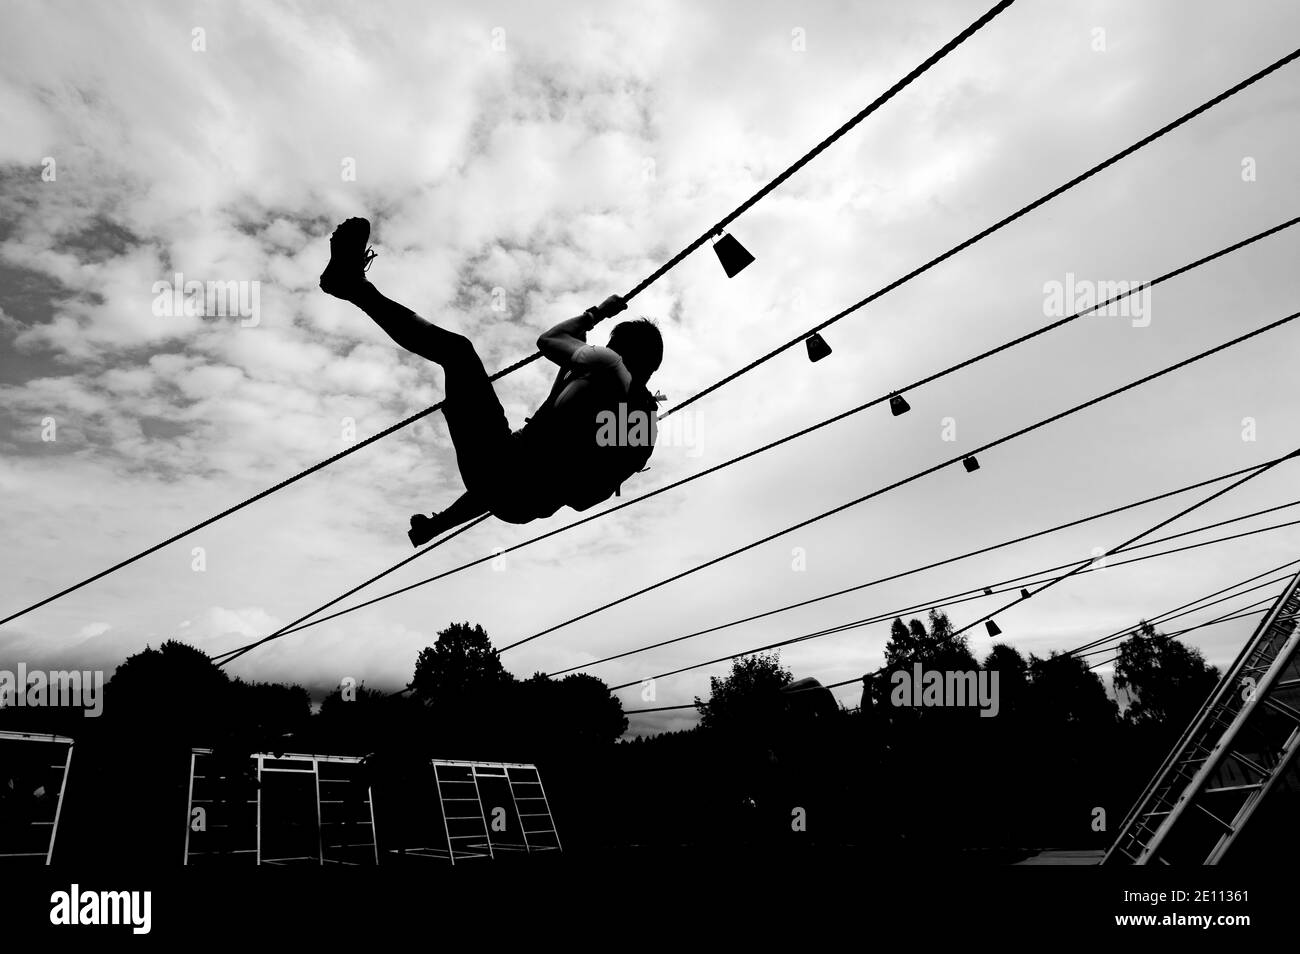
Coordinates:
x,y
573,713
460,666
1166,680
1013,677
748,698
1063,690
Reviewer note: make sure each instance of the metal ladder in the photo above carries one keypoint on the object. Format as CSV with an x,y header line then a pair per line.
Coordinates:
x,y
1241,742
462,810
527,779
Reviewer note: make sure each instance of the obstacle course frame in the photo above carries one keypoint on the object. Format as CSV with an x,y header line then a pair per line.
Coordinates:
x,y
281,809
27,811
294,808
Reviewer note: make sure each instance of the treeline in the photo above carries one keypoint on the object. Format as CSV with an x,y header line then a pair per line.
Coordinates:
x,y
773,763
1055,762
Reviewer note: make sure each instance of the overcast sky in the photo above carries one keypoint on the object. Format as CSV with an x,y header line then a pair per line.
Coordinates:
x,y
560,153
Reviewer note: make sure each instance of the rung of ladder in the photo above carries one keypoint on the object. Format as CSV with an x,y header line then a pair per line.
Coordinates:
x,y
1283,709
1250,786
1214,816
1249,763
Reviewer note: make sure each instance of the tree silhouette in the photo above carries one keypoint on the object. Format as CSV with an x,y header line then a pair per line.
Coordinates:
x,y
268,715
172,690
459,666
571,714
1063,690
1166,679
465,692
1055,751
1013,677
935,648
749,697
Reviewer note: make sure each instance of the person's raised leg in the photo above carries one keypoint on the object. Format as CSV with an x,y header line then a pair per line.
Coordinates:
x,y
475,418
345,278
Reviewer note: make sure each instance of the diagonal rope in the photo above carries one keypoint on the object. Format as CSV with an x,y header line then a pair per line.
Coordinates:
x,y
879,101
1146,140
1191,629
924,473
222,659
799,604
1182,610
308,621
956,599
1083,567
1164,523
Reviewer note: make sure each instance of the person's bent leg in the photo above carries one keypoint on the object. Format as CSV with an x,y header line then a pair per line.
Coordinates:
x,y
475,417
466,508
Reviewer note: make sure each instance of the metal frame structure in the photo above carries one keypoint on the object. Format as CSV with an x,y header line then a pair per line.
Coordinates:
x,y
1239,745
516,776
325,770
228,824
530,845
454,777
459,788
53,822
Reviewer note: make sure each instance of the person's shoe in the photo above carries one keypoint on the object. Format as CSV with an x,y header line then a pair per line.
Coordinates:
x,y
350,258
423,529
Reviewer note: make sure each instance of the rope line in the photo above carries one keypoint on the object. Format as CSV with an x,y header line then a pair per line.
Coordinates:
x,y
917,476
304,624
223,659
1146,140
645,283
1192,629
1152,137
1197,609
846,682
1175,612
1164,523
963,596
879,101
1079,569
945,562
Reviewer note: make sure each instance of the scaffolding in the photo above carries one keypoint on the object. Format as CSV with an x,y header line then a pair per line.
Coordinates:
x,y
1238,749
33,778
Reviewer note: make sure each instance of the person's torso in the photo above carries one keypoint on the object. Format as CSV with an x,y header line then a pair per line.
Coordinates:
x,y
588,438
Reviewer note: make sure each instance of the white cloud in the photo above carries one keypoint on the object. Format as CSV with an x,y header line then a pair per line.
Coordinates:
x,y
91,630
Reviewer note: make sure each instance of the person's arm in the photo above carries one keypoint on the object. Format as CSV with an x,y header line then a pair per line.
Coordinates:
x,y
562,342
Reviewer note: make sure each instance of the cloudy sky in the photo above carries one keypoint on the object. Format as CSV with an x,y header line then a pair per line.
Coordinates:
x,y
559,153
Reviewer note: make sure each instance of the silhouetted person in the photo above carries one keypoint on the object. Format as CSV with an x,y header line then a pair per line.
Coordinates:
x,y
594,430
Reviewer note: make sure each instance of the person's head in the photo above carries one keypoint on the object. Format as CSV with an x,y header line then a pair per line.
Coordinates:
x,y
640,345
